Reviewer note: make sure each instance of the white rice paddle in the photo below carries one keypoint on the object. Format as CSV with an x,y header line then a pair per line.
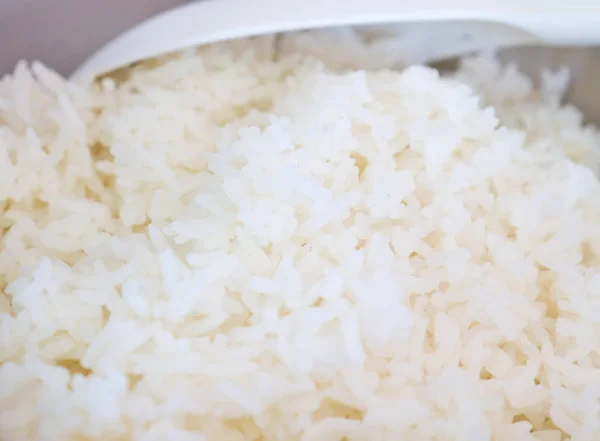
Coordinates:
x,y
454,27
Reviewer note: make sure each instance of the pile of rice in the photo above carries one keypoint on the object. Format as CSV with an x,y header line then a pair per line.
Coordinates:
x,y
248,243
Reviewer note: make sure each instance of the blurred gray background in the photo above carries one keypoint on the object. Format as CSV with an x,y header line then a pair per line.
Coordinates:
x,y
63,33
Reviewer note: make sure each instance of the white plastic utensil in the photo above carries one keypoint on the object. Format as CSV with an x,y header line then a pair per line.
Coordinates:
x,y
488,24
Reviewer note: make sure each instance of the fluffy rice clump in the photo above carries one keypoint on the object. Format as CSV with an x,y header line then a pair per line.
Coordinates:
x,y
226,244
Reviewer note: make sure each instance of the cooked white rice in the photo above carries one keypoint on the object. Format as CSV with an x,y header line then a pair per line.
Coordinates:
x,y
233,245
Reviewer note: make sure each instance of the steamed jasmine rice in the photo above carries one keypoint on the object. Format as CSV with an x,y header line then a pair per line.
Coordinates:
x,y
238,243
